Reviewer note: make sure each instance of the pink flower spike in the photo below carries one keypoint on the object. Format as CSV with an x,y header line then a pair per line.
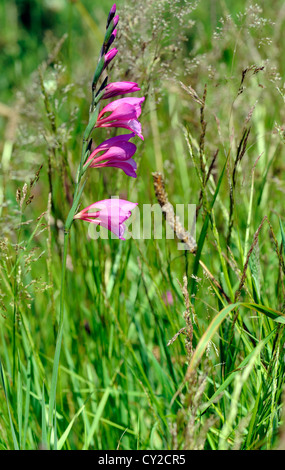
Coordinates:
x,y
119,88
109,213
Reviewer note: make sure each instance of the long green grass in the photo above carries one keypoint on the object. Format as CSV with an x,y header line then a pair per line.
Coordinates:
x,y
161,348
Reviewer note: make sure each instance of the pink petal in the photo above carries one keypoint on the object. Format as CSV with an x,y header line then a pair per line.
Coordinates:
x,y
131,124
124,111
128,166
119,88
110,143
112,214
122,151
110,56
120,105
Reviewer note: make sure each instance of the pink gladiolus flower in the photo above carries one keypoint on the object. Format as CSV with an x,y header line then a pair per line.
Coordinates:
x,y
124,114
118,152
109,213
119,88
111,15
110,56
167,298
113,9
116,20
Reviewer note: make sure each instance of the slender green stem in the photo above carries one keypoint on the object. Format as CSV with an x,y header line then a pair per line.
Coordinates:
x,y
69,220
14,330
63,272
52,399
79,174
15,295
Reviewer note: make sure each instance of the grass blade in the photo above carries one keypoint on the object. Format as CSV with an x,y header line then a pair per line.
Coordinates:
x,y
99,412
204,230
52,398
27,404
64,436
44,423
15,441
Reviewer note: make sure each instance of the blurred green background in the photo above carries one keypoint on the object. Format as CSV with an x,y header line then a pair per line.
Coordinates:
x,y
26,24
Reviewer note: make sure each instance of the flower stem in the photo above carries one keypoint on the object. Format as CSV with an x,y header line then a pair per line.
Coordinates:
x,y
63,271
68,223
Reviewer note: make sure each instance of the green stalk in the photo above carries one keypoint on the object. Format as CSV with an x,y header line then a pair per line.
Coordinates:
x,y
62,288
15,297
69,220
68,223
60,332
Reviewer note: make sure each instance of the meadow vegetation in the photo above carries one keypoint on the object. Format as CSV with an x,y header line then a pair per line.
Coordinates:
x,y
162,348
